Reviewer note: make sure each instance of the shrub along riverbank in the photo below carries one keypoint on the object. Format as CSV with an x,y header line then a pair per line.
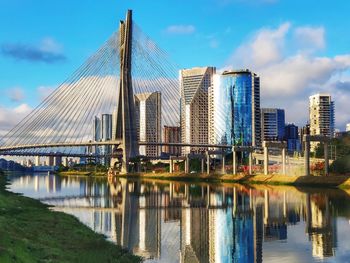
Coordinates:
x,y
30,232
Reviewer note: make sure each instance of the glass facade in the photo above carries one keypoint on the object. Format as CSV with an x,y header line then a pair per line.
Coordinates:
x,y
232,109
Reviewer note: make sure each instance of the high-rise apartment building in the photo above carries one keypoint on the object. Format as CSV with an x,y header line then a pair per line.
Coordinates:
x,y
272,124
172,134
347,128
291,136
321,110
234,108
148,121
194,85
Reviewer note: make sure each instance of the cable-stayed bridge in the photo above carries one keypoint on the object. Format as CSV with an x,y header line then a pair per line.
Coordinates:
x,y
128,63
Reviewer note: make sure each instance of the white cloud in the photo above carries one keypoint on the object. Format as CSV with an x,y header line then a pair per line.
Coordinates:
x,y
310,37
45,91
265,47
181,29
290,73
9,117
16,94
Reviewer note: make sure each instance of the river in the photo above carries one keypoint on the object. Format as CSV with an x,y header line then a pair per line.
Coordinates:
x,y
187,222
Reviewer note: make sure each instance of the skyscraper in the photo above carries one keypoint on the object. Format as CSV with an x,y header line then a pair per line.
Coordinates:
x,y
234,109
321,109
114,124
321,112
272,124
97,129
148,121
106,135
291,135
172,134
194,85
106,127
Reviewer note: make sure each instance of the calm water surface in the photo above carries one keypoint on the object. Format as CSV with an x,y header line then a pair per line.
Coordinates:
x,y
178,222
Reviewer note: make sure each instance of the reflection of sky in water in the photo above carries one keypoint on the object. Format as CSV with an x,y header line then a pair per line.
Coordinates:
x,y
179,223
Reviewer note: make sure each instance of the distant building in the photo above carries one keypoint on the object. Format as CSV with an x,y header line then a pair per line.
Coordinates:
x,y
272,124
321,113
114,123
51,161
303,131
106,127
347,129
321,110
194,85
148,122
106,135
37,160
234,108
291,136
96,131
58,160
172,134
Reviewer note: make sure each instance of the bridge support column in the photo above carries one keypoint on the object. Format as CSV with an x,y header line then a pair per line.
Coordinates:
x,y
250,199
171,191
266,160
250,163
326,158
171,167
284,161
223,163
307,156
208,163
266,207
284,204
187,164
208,195
234,209
187,192
202,165
234,162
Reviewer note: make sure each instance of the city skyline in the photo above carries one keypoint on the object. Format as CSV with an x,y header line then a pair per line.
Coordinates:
x,y
304,47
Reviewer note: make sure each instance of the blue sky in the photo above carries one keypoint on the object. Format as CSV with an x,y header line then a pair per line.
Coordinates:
x,y
297,47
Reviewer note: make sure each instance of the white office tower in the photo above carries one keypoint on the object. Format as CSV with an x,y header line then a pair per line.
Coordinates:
x,y
114,123
148,122
194,85
321,110
106,132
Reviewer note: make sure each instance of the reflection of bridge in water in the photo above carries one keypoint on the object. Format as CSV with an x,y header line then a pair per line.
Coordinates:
x,y
198,223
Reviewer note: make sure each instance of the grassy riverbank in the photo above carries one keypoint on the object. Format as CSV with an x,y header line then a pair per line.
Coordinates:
x,y
30,232
80,173
340,181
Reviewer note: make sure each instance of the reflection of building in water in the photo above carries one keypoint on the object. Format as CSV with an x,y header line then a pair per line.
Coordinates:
x,y
53,184
247,228
274,218
139,227
321,226
197,223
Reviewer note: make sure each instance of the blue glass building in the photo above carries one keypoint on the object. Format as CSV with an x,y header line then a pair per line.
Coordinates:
x,y
234,108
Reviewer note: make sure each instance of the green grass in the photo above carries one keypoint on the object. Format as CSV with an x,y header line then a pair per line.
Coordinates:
x,y
30,232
